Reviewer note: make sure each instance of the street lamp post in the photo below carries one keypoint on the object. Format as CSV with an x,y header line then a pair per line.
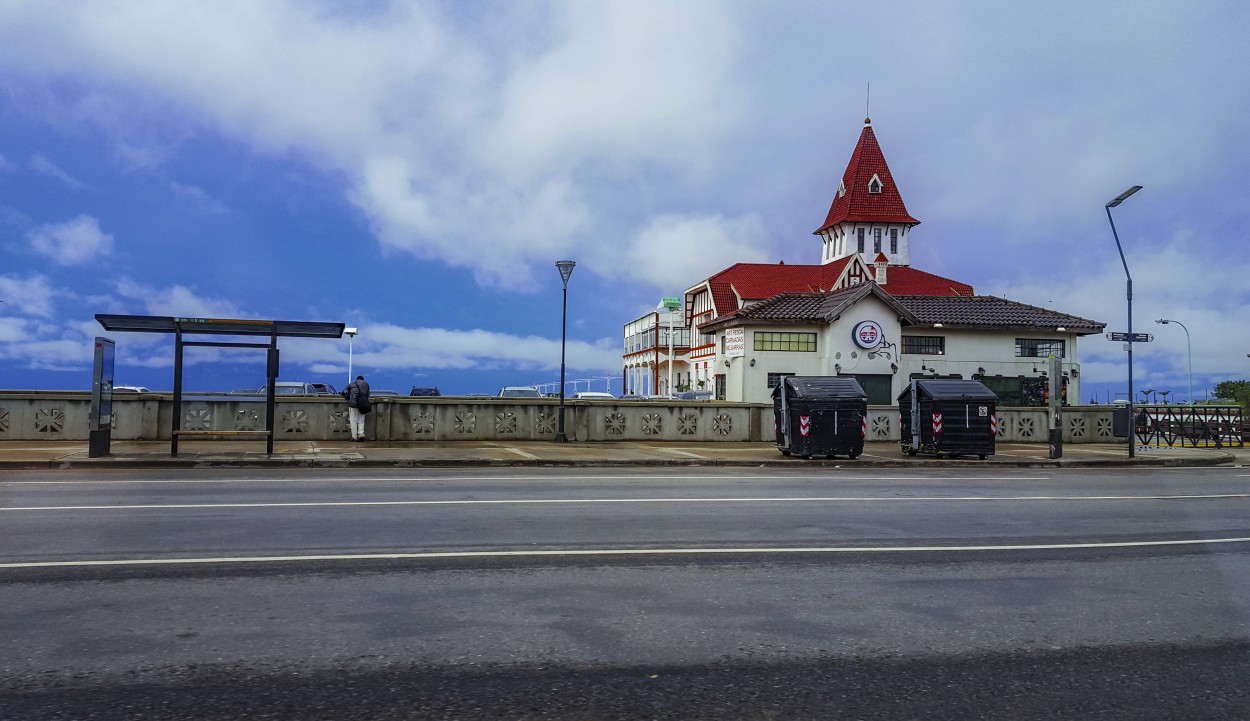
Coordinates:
x,y
672,304
566,270
1189,352
1132,428
350,333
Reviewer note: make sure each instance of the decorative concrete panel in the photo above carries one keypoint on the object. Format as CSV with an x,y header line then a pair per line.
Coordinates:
x,y
295,421
688,424
545,422
4,421
49,420
505,423
198,419
466,423
247,419
614,424
423,423
651,424
340,421
722,424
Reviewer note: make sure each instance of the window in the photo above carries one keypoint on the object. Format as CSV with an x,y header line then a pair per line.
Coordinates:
x,y
774,379
841,189
893,240
924,344
861,240
765,340
874,185
1038,348
876,240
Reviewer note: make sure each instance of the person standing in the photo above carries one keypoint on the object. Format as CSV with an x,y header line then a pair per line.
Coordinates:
x,y
357,406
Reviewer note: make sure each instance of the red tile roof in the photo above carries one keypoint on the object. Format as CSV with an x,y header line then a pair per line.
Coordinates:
x,y
906,280
857,204
981,311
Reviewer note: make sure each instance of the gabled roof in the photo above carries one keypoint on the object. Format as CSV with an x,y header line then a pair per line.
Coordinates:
x,y
991,311
857,204
757,281
807,308
906,280
976,311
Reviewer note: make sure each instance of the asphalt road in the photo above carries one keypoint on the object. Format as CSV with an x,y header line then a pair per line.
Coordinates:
x,y
618,594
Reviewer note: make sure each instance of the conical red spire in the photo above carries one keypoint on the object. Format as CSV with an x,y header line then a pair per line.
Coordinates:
x,y
858,203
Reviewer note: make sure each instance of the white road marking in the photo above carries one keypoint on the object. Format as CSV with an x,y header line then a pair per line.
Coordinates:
x,y
553,476
687,454
522,453
622,552
597,501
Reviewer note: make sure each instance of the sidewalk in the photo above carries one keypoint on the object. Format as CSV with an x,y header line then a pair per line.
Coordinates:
x,y
34,455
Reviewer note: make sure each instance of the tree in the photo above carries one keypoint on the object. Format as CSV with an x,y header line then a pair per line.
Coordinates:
x,y
1238,391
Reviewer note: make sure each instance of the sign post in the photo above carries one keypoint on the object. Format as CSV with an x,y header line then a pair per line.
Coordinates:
x,y
101,420
1056,408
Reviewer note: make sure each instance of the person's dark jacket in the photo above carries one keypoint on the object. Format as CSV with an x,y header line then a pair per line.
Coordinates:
x,y
356,390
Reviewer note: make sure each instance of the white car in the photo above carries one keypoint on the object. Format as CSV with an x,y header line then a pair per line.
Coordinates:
x,y
519,392
594,396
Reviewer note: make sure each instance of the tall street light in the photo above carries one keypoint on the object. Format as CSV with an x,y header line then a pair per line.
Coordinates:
x,y
672,304
1189,352
1132,426
566,271
350,333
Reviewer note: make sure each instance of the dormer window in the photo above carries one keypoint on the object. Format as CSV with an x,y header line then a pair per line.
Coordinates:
x,y
874,185
841,189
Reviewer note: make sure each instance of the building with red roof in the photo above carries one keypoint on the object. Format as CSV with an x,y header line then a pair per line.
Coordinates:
x,y
866,261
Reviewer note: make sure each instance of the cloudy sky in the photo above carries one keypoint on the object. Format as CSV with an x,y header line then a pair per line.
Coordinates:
x,y
415,169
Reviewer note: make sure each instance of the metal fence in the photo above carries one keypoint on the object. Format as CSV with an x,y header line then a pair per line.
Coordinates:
x,y
1193,426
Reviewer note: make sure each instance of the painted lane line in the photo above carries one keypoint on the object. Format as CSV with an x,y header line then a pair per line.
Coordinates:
x,y
598,501
553,477
680,452
625,552
522,453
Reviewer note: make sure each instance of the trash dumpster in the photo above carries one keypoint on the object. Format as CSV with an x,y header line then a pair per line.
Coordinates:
x,y
948,417
820,416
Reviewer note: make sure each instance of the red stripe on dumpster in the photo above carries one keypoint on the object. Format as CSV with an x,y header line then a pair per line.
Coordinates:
x,y
937,422
805,425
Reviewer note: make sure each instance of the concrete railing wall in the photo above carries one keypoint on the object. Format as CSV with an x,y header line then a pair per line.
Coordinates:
x,y
60,415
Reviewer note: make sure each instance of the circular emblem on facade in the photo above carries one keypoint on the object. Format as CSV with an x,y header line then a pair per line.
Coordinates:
x,y
867,334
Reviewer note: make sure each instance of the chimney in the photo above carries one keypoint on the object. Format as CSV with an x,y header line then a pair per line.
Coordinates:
x,y
881,262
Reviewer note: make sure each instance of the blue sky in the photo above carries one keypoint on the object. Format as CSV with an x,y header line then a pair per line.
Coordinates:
x,y
416,169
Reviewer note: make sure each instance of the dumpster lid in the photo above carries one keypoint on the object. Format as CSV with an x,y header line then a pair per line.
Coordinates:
x,y
822,387
950,389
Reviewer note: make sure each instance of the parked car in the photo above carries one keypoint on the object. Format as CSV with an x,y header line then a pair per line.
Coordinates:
x,y
594,395
519,392
373,392
298,388
419,391
695,395
130,389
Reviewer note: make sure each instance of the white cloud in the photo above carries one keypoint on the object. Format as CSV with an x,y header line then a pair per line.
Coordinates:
x,y
484,151
40,164
31,296
673,251
386,346
176,300
73,242
1169,281
5,164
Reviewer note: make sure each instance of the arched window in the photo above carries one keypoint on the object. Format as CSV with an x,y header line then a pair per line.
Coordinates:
x,y
874,185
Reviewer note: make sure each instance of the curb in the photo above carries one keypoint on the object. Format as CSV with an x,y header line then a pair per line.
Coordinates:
x,y
1215,459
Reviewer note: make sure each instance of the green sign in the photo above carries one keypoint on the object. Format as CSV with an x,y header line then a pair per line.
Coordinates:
x,y
671,303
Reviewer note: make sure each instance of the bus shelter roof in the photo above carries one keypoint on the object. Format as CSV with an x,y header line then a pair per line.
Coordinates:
x,y
219,326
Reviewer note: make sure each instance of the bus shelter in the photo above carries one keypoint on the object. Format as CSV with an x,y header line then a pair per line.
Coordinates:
x,y
271,330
